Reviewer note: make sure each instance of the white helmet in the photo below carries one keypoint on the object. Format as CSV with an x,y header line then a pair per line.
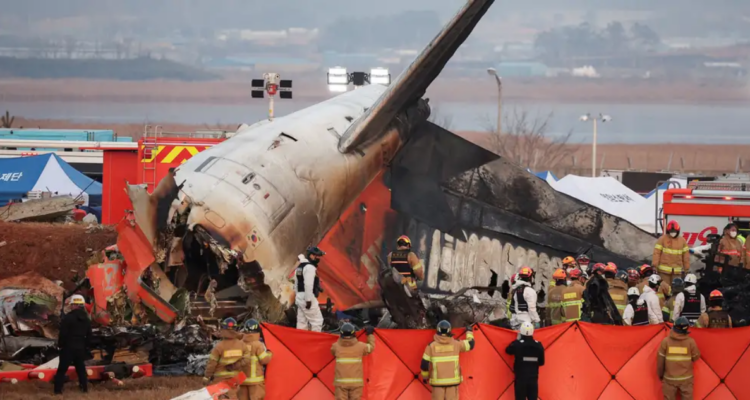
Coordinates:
x,y
77,299
527,329
654,279
690,278
633,291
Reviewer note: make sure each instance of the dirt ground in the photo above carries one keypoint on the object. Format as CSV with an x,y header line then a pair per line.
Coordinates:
x,y
56,251
159,388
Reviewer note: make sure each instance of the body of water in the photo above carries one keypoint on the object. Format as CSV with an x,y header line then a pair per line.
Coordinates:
x,y
631,123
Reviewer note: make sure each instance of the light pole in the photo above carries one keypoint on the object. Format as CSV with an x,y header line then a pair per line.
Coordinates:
x,y
493,72
586,118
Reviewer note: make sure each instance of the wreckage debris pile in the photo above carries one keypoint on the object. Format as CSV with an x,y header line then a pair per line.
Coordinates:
x,y
55,251
134,389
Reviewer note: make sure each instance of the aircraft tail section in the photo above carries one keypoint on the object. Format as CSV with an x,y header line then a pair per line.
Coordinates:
x,y
411,85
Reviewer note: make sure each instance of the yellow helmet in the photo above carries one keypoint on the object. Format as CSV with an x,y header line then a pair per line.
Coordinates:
x,y
403,240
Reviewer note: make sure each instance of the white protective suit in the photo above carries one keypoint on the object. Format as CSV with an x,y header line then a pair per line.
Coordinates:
x,y
311,319
525,316
679,302
627,316
654,307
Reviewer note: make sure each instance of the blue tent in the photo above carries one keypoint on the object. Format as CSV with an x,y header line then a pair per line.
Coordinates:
x,y
46,173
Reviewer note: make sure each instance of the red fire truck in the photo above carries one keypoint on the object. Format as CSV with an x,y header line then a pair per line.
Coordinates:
x,y
705,207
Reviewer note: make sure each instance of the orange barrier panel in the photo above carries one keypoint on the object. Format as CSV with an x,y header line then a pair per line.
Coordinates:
x,y
583,361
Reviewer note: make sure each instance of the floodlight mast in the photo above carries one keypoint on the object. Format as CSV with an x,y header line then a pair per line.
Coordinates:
x,y
338,78
271,84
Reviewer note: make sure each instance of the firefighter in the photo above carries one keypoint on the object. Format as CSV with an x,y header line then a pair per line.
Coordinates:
x,y
583,262
671,254
689,304
678,285
573,297
407,264
524,299
307,285
618,288
730,246
529,356
675,359
651,300
634,277
636,312
228,357
569,263
716,316
73,341
554,306
254,387
349,379
440,366
663,292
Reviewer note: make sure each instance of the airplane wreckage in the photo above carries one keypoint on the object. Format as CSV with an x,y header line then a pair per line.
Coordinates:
x,y
350,175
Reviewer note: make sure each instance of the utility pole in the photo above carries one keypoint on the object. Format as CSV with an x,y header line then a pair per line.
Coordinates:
x,y
493,72
586,118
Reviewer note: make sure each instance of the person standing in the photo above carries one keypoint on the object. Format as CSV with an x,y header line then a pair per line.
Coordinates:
x,y
671,256
73,342
228,357
554,306
730,248
254,385
529,356
618,287
678,285
406,263
636,313
649,298
674,362
663,291
440,366
716,316
573,297
524,299
307,286
689,303
349,378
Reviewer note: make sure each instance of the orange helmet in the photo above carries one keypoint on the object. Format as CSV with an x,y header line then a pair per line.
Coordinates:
x,y
559,275
525,272
645,268
569,260
403,240
716,295
610,267
575,273
672,226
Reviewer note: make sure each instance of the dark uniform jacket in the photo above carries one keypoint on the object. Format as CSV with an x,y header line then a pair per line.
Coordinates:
x,y
529,356
75,330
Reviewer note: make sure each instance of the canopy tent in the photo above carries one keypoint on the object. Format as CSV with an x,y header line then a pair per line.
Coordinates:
x,y
45,173
547,176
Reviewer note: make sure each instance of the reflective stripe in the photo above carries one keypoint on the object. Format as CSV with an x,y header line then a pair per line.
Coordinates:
x,y
670,270
257,379
263,355
621,307
658,247
425,373
426,357
660,296
666,310
731,252
349,380
434,380
677,350
531,359
674,252
223,374
679,358
679,378
571,295
416,267
348,360
213,358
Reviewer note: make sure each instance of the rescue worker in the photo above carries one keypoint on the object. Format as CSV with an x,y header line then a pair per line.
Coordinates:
x,y
407,264
689,304
524,299
730,246
349,380
254,386
674,362
529,356
663,292
618,287
440,365
746,255
572,302
671,254
583,262
73,341
636,312
594,306
554,305
307,286
569,263
651,300
678,285
715,317
228,357
634,277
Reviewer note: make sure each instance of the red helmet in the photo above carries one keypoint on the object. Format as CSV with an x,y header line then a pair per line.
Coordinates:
x,y
645,268
583,259
559,275
525,272
672,226
598,267
633,275
610,267
716,295
575,273
513,279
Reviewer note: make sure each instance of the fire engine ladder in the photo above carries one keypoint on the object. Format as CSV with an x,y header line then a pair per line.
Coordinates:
x,y
150,144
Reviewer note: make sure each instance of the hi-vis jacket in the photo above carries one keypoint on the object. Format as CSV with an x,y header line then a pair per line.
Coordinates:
x,y
572,302
676,356
729,247
230,351
671,255
440,360
349,353
258,356
555,305
618,291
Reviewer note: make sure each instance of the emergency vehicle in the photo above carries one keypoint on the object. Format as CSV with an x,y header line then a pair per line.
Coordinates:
x,y
706,207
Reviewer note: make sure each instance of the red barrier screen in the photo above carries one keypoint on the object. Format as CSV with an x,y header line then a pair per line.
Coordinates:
x,y
583,361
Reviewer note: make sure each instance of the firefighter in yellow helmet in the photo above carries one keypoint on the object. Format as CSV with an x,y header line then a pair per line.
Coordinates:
x,y
406,263
228,357
554,305
254,385
440,366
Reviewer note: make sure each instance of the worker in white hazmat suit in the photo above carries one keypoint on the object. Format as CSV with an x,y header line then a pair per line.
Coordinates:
x,y
307,287
524,300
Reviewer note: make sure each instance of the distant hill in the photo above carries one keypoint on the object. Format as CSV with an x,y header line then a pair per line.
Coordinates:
x,y
137,69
